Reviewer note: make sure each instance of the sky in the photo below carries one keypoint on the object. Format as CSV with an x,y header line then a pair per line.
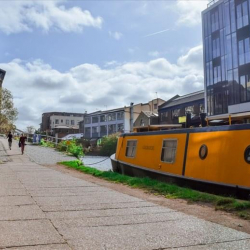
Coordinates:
x,y
77,56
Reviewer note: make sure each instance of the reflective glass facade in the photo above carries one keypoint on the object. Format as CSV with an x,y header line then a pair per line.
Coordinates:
x,y
226,42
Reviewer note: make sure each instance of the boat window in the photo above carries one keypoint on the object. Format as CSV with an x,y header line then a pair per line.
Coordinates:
x,y
131,148
203,151
168,152
247,155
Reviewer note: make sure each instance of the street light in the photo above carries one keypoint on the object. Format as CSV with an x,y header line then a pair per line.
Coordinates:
x,y
2,75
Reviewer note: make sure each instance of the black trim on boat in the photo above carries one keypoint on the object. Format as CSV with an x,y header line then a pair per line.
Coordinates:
x,y
185,155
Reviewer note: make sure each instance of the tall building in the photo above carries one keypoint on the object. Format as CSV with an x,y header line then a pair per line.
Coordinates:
x,y
226,43
61,123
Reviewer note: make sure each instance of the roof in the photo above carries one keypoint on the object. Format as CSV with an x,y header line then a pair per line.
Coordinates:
x,y
150,114
100,112
195,96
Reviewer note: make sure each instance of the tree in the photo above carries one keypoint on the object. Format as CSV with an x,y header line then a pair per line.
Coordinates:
x,y
31,129
8,114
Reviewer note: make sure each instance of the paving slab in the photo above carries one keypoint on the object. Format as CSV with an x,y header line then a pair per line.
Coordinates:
x,y
231,245
108,212
29,212
16,200
64,224
27,233
13,191
45,247
99,206
180,233
65,191
72,200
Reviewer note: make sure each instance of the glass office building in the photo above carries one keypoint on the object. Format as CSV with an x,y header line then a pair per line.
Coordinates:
x,y
226,43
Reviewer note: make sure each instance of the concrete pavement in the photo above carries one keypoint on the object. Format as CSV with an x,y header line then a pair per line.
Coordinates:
x,y
41,208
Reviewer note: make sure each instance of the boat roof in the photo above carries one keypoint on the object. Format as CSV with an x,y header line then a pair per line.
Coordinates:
x,y
156,127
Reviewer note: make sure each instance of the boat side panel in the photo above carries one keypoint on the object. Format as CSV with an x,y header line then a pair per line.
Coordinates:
x,y
118,147
225,161
148,152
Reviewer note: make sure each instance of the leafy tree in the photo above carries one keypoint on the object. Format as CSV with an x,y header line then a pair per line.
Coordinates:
x,y
8,114
108,144
31,129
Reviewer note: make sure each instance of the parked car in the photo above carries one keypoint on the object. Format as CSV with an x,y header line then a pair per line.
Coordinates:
x,y
72,136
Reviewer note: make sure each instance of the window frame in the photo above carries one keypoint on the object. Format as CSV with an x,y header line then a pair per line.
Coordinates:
x,y
169,139
135,148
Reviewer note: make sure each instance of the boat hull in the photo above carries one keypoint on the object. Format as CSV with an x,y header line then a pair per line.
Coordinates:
x,y
201,185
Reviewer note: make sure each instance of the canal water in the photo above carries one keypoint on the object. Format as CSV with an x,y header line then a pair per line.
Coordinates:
x,y
98,162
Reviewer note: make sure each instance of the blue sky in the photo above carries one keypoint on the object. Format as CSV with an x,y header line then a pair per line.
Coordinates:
x,y
86,55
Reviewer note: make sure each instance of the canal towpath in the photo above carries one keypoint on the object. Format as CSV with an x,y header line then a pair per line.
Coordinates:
x,y
42,208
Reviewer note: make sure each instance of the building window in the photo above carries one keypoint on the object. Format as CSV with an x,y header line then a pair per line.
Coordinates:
x,y
164,116
61,121
112,117
87,120
72,122
87,132
56,121
142,123
245,88
168,152
189,109
95,119
112,129
120,116
131,148
155,106
103,130
242,15
67,122
95,132
175,113
216,47
215,21
103,118
244,51
217,74
120,127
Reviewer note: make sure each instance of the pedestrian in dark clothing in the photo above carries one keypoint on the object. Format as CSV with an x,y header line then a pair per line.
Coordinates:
x,y
10,136
22,140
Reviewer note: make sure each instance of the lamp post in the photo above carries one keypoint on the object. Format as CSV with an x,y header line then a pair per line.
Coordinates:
x,y
2,75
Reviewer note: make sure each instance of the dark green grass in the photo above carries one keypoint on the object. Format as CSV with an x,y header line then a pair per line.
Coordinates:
x,y
171,191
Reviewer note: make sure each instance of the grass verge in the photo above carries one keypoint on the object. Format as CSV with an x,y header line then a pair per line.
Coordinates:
x,y
171,191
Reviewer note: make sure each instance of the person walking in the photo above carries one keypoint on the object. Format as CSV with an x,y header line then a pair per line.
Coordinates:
x,y
22,140
10,136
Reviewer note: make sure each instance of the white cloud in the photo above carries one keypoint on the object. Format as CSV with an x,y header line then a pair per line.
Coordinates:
x,y
154,53
24,16
38,88
116,35
190,11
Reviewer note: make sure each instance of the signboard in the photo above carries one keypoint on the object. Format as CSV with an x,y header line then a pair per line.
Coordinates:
x,y
182,119
2,75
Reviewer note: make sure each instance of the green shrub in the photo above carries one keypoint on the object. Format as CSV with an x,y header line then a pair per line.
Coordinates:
x,y
108,144
71,147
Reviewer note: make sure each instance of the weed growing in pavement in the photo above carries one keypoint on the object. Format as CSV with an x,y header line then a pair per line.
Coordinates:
x,y
239,207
